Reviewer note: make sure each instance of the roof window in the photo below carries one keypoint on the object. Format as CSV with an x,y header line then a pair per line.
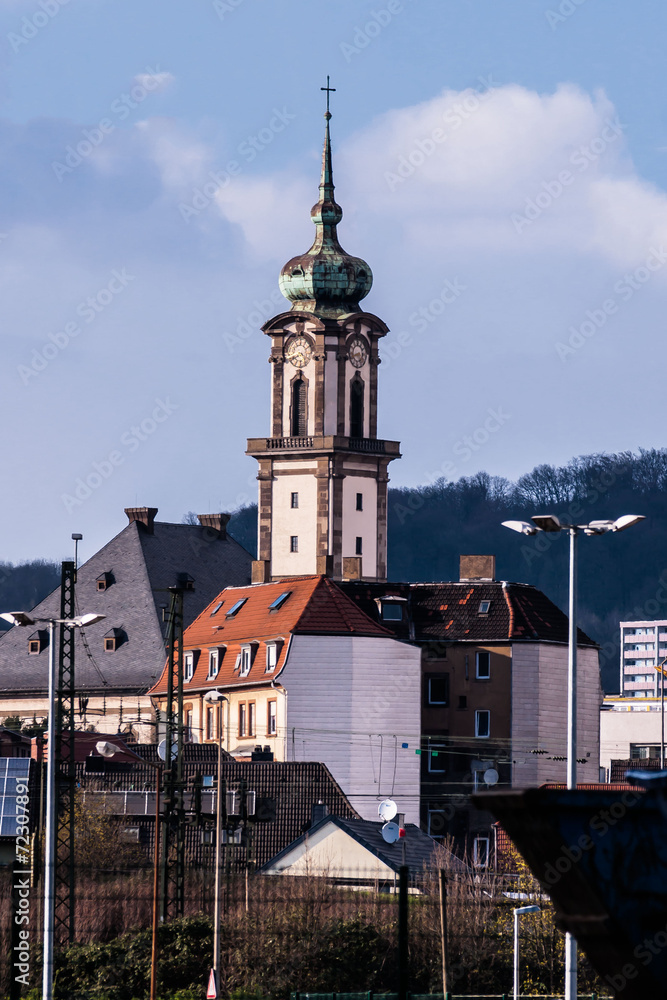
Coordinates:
x,y
114,638
235,608
484,607
104,581
216,608
38,641
392,611
279,601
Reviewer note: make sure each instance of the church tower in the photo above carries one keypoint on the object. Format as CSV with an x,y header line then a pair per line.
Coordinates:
x,y
323,471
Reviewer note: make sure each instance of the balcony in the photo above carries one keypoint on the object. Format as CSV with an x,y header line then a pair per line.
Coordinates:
x,y
323,444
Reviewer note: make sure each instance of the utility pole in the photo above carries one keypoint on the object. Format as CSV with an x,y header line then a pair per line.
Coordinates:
x,y
403,932
64,887
173,828
442,878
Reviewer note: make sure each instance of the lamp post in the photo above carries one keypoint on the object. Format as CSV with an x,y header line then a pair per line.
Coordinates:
x,y
217,697
107,750
660,670
551,523
21,619
517,913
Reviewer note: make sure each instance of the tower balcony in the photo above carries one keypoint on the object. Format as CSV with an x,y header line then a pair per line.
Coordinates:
x,y
322,444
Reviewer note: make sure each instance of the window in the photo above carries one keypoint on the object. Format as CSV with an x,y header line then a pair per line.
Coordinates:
x,y
216,608
299,421
482,723
38,641
242,718
294,503
272,719
360,501
438,689
357,407
294,543
483,666
358,545
436,758
251,718
104,581
481,852
392,611
646,752
209,722
435,823
33,646
188,666
271,656
213,663
484,607
279,601
246,660
235,608
463,701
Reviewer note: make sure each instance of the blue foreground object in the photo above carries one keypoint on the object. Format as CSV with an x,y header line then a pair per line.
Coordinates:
x,y
602,857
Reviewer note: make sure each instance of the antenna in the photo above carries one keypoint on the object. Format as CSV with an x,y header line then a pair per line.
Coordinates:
x,y
387,810
491,776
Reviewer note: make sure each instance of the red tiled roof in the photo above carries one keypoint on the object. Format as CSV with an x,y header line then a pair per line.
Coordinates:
x,y
315,606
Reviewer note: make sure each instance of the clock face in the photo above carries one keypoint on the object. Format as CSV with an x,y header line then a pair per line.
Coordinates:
x,y
298,352
358,352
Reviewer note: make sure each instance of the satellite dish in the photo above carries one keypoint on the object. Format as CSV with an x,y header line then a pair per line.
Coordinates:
x,y
387,810
162,750
491,776
390,833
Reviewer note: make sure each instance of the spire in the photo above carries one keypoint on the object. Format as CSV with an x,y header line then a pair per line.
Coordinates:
x,y
326,280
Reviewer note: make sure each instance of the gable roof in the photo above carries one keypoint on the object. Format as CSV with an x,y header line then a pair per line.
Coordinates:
x,y
314,606
419,847
142,565
517,612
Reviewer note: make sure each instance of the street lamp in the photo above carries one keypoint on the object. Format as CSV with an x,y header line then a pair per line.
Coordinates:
x,y
661,672
517,913
551,523
217,697
21,620
107,750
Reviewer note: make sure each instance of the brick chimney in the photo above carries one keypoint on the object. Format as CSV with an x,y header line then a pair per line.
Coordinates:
x,y
144,515
478,568
215,522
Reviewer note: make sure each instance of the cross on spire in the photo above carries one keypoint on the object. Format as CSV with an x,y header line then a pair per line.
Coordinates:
x,y
329,90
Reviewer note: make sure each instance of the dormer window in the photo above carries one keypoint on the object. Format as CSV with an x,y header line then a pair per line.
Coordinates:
x,y
391,611
185,581
247,655
484,607
104,581
272,654
188,666
235,608
214,660
38,641
113,639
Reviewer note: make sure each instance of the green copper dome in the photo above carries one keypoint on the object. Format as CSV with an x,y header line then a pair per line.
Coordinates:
x,y
326,281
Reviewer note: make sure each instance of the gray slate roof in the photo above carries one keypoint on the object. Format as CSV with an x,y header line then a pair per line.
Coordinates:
x,y
419,847
143,566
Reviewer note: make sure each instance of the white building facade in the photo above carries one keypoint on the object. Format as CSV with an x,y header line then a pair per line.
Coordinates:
x,y
643,648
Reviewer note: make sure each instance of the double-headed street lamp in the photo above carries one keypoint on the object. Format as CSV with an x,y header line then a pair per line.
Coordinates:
x,y
21,619
217,697
551,523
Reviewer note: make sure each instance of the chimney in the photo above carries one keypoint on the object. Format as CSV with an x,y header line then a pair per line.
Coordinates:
x,y
400,820
215,523
144,515
318,813
472,568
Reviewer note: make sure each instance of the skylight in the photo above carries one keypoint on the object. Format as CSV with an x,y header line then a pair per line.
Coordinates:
x,y
484,607
279,601
235,608
216,608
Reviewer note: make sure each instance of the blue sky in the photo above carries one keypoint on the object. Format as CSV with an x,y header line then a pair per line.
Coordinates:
x,y
501,167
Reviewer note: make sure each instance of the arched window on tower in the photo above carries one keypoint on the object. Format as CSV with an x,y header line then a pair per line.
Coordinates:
x,y
299,413
357,407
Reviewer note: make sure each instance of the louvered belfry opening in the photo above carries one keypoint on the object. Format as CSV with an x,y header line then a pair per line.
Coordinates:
x,y
299,408
356,408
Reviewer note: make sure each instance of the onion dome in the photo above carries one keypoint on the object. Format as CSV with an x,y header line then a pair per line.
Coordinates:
x,y
326,281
